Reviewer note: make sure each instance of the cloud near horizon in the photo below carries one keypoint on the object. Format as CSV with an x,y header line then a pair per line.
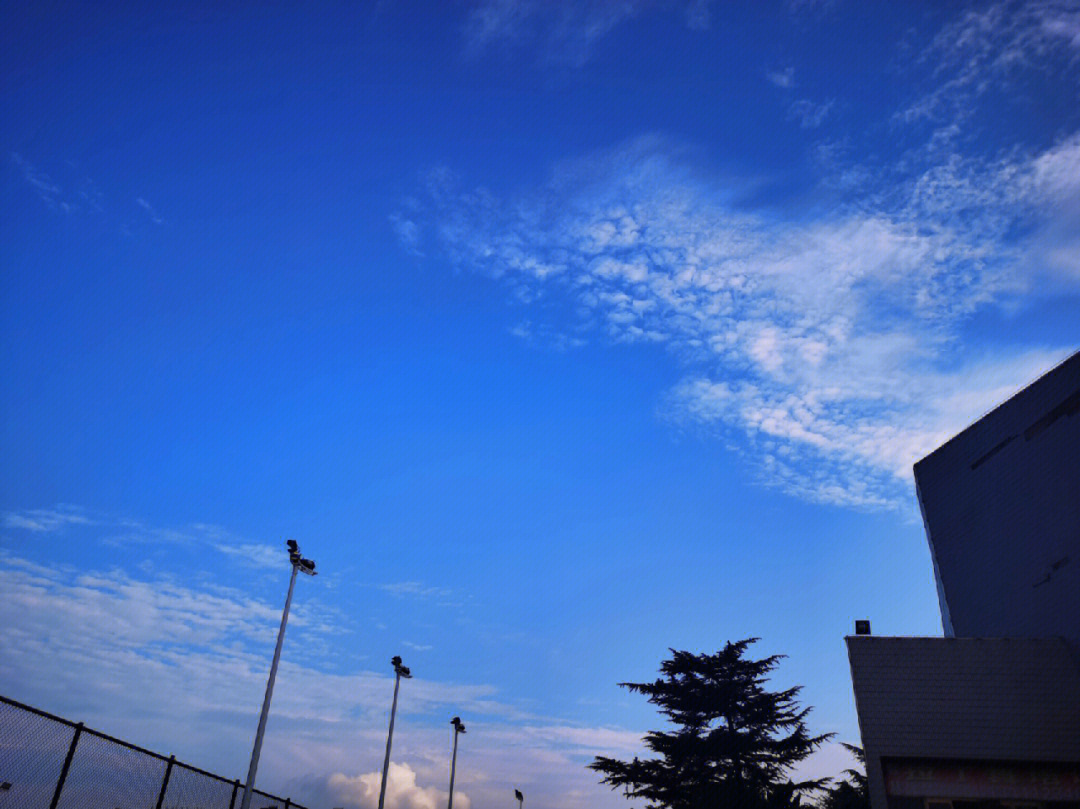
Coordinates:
x,y
186,663
402,790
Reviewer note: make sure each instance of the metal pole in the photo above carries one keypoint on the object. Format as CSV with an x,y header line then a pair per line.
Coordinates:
x,y
67,765
389,739
165,781
249,785
453,765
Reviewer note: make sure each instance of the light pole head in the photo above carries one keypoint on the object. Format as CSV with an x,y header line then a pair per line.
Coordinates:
x,y
297,561
400,670
459,726
518,795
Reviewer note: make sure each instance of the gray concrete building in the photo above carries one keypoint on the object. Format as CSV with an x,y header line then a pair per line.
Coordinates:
x,y
988,716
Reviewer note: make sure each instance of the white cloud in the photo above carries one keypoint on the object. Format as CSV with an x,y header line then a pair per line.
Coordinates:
x,y
991,43
416,589
698,15
48,191
854,442
830,345
407,232
402,791
181,669
121,531
73,192
782,78
497,19
153,214
562,30
255,555
45,520
1053,188
590,741
809,114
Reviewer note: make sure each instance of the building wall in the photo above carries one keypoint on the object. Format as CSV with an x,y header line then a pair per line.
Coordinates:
x,y
964,699
1001,505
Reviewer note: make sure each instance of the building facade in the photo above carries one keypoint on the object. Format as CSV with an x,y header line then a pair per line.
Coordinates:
x,y
988,715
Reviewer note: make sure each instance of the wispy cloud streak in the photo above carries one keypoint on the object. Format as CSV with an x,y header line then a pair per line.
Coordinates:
x,y
988,45
827,346
153,214
559,30
45,520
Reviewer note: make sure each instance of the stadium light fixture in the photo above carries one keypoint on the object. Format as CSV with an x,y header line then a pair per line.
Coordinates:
x,y
459,728
399,672
298,563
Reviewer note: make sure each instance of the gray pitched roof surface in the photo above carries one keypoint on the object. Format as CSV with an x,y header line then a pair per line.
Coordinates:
x,y
968,698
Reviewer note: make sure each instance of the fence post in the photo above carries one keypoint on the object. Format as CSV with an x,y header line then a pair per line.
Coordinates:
x,y
67,765
235,789
165,781
288,802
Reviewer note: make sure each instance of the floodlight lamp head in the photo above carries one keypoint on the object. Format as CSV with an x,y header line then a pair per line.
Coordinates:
x,y
307,566
518,795
459,726
395,661
405,672
293,547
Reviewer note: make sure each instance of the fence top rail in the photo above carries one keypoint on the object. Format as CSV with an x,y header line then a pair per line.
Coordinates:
x,y
16,704
207,773
37,711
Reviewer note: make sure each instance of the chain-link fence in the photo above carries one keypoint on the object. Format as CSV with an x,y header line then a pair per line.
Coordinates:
x,y
50,763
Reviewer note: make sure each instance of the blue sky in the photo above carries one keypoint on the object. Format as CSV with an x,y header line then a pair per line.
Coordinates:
x,y
557,333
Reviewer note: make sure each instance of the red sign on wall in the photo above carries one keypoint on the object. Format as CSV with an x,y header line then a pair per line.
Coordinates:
x,y
981,780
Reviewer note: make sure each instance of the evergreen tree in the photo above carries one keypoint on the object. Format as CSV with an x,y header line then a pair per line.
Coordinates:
x,y
852,793
733,743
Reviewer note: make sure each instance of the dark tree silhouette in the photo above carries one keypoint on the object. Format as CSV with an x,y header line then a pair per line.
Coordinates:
x,y
852,793
733,743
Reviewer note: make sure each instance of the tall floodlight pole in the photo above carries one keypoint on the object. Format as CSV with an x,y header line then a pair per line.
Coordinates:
x,y
399,672
304,566
458,728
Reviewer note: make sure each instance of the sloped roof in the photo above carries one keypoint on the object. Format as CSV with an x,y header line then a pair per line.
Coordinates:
x,y
968,698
